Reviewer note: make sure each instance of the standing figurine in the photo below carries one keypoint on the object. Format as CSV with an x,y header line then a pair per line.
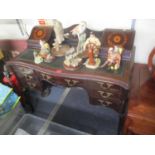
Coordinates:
x,y
114,58
92,47
79,31
59,34
44,55
58,48
73,60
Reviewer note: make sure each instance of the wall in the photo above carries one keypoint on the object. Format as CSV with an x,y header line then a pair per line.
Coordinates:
x,y
144,40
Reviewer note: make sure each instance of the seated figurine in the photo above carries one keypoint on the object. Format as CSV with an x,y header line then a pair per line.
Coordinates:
x,y
92,46
72,61
44,55
114,58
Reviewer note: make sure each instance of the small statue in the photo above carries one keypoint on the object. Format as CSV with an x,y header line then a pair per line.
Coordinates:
x,y
72,61
44,55
79,31
72,57
59,34
58,48
92,46
113,58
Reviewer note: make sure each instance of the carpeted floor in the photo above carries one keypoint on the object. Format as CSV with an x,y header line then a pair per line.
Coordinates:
x,y
76,112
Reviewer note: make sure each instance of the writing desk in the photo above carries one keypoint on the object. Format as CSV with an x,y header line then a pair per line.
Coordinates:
x,y
104,87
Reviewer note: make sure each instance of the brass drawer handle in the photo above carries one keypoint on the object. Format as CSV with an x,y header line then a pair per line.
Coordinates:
x,y
101,101
71,83
105,103
104,94
109,85
29,77
105,85
32,85
46,77
108,103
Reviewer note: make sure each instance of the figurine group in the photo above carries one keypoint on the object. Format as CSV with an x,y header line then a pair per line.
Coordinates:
x,y
114,58
74,55
44,55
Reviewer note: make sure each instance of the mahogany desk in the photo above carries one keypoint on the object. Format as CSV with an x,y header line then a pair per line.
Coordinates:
x,y
103,86
141,107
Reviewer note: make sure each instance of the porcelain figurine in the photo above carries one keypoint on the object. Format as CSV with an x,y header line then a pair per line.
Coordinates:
x,y
79,31
44,55
92,47
114,58
58,48
72,61
59,34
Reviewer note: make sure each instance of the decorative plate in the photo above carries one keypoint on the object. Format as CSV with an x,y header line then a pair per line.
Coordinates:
x,y
41,33
117,39
120,37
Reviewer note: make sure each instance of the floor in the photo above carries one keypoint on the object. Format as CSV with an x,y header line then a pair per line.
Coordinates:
x,y
76,112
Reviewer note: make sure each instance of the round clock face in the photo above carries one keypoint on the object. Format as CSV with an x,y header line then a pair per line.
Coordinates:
x,y
117,39
39,33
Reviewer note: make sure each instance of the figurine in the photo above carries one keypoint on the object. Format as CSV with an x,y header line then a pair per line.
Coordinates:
x,y
72,58
72,61
79,31
58,48
92,46
44,55
113,58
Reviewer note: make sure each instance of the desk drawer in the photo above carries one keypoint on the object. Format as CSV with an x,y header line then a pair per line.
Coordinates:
x,y
27,77
106,90
109,87
67,82
109,95
117,105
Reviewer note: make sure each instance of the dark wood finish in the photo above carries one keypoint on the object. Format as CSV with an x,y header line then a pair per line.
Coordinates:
x,y
141,109
105,88
102,89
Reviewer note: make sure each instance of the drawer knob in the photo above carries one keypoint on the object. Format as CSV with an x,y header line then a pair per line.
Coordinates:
x,y
105,85
46,77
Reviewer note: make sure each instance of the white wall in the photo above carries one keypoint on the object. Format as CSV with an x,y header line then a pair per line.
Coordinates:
x,y
144,40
